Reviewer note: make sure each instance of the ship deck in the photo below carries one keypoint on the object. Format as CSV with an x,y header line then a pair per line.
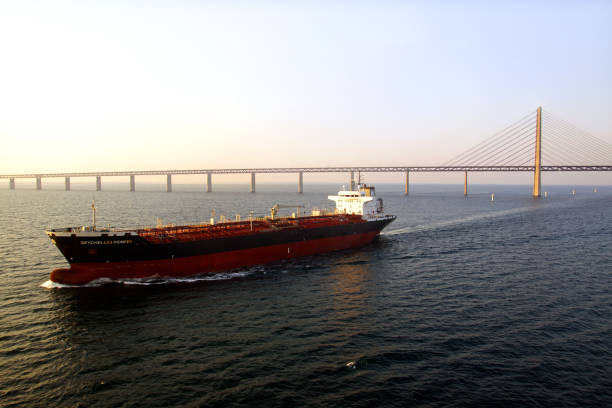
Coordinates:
x,y
245,227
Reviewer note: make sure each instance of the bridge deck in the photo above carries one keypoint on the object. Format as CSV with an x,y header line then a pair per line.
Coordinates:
x,y
366,169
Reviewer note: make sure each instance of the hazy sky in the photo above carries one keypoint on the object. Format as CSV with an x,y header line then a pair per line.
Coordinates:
x,y
121,85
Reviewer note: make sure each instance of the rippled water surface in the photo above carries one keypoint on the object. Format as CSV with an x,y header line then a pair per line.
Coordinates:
x,y
461,302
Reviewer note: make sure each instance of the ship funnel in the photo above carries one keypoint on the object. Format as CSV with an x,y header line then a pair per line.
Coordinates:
x,y
369,191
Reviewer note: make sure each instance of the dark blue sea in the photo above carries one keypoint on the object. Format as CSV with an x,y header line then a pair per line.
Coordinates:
x,y
462,302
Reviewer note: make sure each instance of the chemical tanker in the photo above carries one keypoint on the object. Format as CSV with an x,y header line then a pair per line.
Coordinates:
x,y
177,251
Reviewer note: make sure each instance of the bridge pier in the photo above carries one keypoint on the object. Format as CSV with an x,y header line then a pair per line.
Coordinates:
x,y
352,181
12,184
407,183
465,183
252,182
98,183
537,177
132,183
169,183
67,183
208,182
38,183
300,182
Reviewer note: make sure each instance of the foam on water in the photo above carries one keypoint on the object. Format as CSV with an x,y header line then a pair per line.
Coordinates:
x,y
154,280
54,285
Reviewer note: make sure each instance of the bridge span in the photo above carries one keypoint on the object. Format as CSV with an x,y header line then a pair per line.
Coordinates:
x,y
517,148
350,170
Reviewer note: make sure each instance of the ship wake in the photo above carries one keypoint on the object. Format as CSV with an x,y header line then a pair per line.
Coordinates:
x,y
458,221
156,280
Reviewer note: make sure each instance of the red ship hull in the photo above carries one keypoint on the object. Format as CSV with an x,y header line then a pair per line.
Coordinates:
x,y
84,272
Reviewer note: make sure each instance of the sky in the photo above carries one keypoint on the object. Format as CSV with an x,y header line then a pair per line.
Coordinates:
x,y
135,85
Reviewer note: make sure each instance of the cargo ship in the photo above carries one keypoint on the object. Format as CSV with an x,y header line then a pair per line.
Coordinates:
x,y
218,245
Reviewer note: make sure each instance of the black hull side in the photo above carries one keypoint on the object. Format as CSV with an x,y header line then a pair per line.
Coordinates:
x,y
135,248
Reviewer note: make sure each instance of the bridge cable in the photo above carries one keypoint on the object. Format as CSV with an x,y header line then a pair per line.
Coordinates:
x,y
586,151
525,152
491,139
488,150
495,152
490,143
570,130
520,141
482,150
570,133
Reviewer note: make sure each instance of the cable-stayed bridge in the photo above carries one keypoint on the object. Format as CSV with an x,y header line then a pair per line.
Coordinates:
x,y
537,142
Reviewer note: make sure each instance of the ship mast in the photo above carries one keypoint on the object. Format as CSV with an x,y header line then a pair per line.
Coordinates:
x,y
93,210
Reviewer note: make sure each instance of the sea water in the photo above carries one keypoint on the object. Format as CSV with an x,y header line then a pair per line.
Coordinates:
x,y
461,302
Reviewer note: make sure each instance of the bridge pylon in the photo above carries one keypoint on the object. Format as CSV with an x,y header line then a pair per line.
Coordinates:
x,y
537,176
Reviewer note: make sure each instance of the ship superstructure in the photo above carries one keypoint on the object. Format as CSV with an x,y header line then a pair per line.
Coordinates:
x,y
171,251
362,201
